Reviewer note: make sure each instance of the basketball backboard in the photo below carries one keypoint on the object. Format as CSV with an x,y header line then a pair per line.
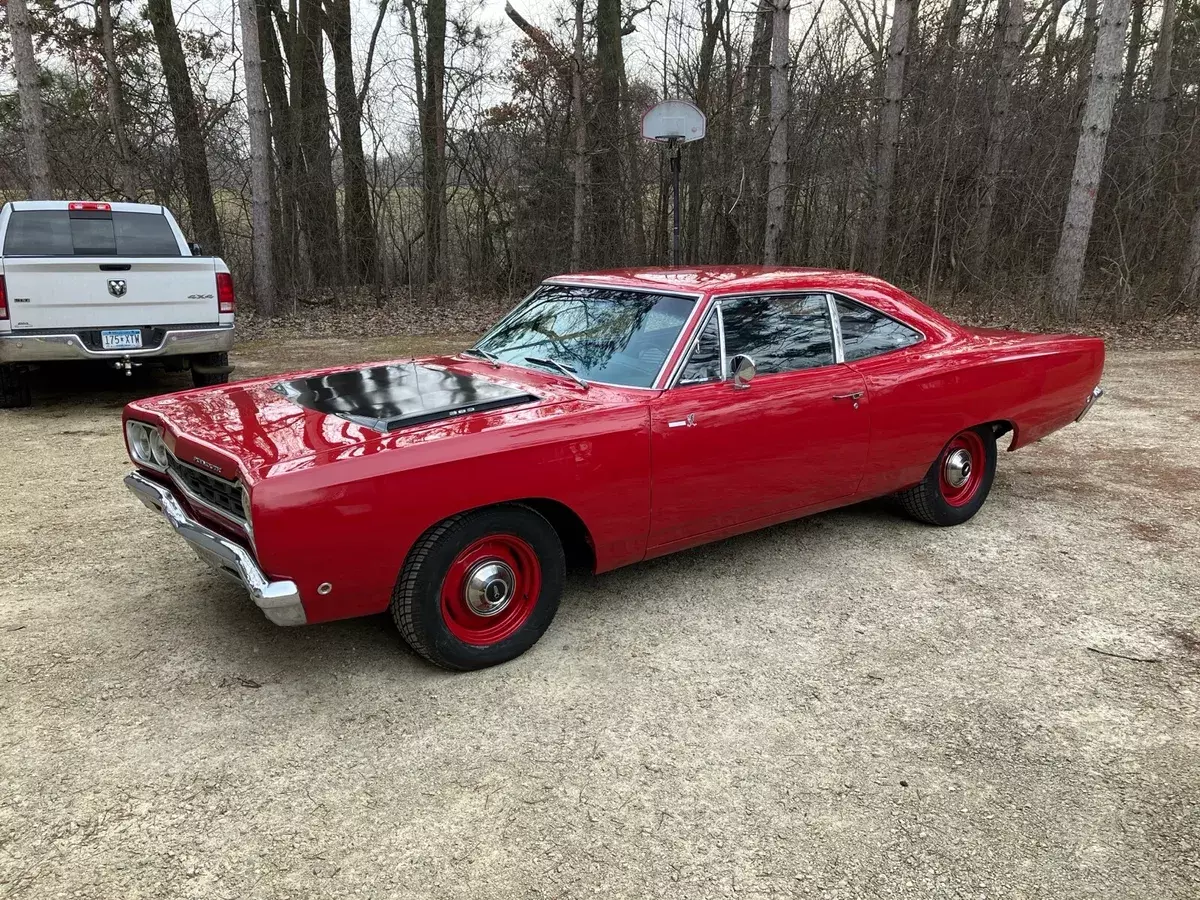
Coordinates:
x,y
673,120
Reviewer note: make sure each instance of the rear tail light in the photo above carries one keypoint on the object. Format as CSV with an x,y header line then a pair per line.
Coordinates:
x,y
226,299
3,299
90,205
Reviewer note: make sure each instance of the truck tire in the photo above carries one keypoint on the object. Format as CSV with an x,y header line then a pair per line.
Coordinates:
x,y
480,588
14,387
957,483
210,369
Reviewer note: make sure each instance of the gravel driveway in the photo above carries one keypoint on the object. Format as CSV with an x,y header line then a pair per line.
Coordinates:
x,y
848,706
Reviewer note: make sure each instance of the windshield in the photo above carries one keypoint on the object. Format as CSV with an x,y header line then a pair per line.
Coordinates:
x,y
601,334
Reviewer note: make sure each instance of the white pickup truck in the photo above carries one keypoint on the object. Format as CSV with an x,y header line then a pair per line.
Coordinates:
x,y
107,281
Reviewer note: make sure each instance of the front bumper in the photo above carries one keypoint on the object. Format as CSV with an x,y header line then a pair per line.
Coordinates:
x,y
279,600
25,347
1097,393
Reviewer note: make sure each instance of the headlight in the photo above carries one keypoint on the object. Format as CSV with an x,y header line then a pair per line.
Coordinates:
x,y
144,440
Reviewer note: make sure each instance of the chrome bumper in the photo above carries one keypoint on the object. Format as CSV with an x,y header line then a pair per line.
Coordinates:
x,y
16,347
1097,393
279,600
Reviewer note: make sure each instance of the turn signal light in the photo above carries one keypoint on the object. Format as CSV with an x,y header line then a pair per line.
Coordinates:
x,y
226,299
90,204
3,299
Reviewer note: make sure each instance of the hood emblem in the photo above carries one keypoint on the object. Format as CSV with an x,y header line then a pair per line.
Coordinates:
x,y
117,287
205,464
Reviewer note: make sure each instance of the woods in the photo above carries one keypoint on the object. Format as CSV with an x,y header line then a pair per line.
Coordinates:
x,y
1039,153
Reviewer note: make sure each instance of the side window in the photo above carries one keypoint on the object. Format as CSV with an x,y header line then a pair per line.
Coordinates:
x,y
782,334
866,332
705,361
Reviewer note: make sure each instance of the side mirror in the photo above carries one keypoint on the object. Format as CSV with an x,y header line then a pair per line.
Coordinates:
x,y
196,249
743,369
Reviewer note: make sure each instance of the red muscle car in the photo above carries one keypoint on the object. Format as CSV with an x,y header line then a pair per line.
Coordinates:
x,y
611,417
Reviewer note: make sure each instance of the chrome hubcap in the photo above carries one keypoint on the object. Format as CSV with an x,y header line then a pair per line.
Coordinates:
x,y
489,588
958,468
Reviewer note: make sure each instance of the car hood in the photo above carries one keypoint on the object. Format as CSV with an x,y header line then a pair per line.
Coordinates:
x,y
253,429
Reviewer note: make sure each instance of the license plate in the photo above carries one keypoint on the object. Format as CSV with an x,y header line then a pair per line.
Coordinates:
x,y
125,339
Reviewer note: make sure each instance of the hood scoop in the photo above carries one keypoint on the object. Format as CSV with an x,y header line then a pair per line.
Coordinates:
x,y
386,398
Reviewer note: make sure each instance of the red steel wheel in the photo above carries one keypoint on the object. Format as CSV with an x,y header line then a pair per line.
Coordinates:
x,y
961,468
490,589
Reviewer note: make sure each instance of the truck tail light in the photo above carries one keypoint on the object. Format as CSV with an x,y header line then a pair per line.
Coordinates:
x,y
90,205
3,299
226,299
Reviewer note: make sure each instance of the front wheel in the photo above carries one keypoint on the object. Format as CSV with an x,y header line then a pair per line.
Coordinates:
x,y
480,588
957,483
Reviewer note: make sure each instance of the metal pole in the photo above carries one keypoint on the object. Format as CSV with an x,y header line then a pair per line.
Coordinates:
x,y
675,166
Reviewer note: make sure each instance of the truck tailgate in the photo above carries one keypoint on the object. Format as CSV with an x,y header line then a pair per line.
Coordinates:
x,y
63,292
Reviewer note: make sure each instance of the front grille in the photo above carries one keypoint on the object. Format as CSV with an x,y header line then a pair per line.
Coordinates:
x,y
223,496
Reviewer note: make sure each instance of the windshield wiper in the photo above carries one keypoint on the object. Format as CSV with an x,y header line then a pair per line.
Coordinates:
x,y
557,366
485,354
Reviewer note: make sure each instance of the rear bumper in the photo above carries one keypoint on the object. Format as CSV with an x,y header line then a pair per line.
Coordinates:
x,y
25,346
1097,393
279,600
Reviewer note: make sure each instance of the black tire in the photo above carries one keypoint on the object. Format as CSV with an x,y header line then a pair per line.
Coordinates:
x,y
210,379
417,605
14,387
929,501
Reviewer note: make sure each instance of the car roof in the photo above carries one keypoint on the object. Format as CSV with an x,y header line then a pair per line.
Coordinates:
x,y
25,205
723,279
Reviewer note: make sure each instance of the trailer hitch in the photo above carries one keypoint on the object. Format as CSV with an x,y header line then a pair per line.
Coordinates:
x,y
125,364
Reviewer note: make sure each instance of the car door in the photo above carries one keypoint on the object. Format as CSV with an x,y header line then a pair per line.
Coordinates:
x,y
794,438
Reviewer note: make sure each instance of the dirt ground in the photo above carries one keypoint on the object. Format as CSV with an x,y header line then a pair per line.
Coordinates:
x,y
848,706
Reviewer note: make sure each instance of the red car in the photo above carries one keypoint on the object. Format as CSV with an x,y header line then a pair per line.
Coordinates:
x,y
611,417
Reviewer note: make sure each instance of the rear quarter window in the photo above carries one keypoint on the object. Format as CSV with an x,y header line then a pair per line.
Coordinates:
x,y
59,232
866,332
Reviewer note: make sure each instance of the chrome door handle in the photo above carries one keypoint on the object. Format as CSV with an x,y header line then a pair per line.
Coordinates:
x,y
689,422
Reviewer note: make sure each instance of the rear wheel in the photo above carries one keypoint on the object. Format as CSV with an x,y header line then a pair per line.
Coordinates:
x,y
957,483
480,588
209,369
14,387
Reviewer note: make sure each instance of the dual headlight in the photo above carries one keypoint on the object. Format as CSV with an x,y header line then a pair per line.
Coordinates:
x,y
146,445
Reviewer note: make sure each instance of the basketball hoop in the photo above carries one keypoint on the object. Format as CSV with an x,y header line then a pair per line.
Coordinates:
x,y
674,123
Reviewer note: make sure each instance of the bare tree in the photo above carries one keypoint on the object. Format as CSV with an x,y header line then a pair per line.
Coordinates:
x,y
609,142
904,11
998,128
1067,275
193,159
1160,85
1189,274
33,123
359,220
260,162
116,101
581,154
778,158
433,139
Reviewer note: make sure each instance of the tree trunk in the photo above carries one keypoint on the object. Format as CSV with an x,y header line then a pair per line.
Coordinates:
x,y
1067,274
433,140
606,168
1088,44
581,156
889,135
713,23
287,239
193,160
260,162
1135,52
361,250
1189,273
310,106
1010,55
33,124
116,102
1160,87
777,172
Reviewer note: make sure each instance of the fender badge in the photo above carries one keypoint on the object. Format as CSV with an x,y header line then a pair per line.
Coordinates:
x,y
205,464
